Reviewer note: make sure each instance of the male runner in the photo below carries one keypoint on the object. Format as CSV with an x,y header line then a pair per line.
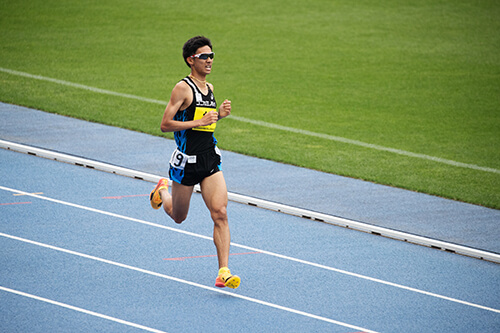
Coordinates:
x,y
192,115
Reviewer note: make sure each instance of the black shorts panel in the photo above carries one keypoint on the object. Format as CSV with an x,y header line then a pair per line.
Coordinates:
x,y
206,165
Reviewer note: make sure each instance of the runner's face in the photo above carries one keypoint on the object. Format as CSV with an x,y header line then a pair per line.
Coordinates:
x,y
203,66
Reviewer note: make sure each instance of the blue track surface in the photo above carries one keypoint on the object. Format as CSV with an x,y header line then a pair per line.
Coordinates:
x,y
384,206
91,241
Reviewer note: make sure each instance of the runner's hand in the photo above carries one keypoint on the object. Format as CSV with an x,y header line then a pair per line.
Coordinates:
x,y
209,118
225,109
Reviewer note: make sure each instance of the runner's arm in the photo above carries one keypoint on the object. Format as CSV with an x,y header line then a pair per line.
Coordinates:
x,y
180,99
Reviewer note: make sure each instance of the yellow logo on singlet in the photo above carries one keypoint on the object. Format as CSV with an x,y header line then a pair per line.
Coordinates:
x,y
198,114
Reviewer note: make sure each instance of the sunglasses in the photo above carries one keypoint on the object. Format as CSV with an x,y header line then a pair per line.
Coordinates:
x,y
204,56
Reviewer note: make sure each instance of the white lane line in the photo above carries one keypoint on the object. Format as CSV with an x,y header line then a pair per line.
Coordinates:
x,y
75,308
277,207
194,284
366,145
305,262
81,86
262,123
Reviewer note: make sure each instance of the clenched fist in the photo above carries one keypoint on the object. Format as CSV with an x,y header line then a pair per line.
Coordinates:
x,y
225,109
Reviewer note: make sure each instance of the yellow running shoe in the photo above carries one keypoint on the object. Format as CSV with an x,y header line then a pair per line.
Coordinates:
x,y
225,279
154,197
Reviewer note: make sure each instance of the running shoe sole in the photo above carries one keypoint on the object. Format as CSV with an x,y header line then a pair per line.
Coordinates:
x,y
233,282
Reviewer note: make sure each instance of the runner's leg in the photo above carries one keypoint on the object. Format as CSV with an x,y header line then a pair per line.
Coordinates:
x,y
214,193
176,205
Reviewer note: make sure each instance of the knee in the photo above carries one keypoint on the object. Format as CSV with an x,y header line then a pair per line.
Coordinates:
x,y
219,215
179,218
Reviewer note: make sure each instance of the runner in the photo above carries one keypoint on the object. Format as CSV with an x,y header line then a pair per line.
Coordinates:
x,y
191,114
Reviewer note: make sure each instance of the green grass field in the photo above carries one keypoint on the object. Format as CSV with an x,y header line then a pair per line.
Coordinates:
x,y
417,76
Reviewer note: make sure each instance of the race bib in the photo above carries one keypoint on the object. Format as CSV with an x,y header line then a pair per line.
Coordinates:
x,y
198,114
179,159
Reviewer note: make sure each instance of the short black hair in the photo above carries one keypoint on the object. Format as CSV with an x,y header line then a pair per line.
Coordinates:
x,y
194,44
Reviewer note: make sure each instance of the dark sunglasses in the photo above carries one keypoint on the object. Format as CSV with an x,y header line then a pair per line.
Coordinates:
x,y
204,56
